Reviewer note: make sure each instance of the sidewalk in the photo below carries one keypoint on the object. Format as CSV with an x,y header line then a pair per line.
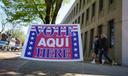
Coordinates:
x,y
9,54
12,65
10,62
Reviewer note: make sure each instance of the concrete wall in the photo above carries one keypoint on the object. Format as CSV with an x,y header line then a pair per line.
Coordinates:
x,y
125,33
109,12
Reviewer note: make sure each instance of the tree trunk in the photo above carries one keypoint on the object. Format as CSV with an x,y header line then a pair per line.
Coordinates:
x,y
3,25
48,11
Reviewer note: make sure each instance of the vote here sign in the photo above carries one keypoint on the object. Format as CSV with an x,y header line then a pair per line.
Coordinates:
x,y
51,42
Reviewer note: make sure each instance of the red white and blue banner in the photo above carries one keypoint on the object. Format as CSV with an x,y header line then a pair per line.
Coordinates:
x,y
51,42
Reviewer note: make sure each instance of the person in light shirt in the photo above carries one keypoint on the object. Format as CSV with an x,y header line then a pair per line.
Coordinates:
x,y
95,48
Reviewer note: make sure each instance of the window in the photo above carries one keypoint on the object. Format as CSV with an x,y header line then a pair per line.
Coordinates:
x,y
74,11
110,1
71,15
87,1
82,38
87,14
111,32
99,30
77,8
101,5
79,19
82,18
85,41
91,39
75,21
83,3
80,4
93,9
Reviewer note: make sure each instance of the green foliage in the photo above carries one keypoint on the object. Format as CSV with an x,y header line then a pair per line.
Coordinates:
x,y
65,1
17,33
23,10
3,22
29,10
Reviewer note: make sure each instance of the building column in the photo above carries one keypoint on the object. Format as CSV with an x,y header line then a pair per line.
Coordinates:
x,y
125,32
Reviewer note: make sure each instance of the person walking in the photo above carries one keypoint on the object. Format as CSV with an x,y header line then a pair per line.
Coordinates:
x,y
96,49
104,49
17,44
4,37
0,35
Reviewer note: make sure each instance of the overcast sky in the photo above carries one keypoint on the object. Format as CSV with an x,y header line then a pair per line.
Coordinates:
x,y
63,11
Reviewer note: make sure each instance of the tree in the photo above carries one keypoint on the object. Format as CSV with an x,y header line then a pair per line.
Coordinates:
x,y
3,24
29,10
16,33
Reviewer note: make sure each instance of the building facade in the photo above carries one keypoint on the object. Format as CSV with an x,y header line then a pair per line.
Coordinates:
x,y
101,16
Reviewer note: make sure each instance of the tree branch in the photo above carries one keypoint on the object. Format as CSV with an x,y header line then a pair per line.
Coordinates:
x,y
40,15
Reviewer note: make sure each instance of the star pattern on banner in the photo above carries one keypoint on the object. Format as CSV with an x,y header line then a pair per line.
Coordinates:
x,y
29,53
32,38
31,43
31,47
75,45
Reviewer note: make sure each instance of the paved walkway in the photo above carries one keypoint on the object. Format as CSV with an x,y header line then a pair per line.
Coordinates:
x,y
72,69
12,65
8,54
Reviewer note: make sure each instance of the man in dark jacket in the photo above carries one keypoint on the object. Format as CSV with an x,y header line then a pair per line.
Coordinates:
x,y
104,48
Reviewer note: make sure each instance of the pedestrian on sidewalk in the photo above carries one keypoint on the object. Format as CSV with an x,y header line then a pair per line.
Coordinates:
x,y
4,37
96,49
0,35
104,49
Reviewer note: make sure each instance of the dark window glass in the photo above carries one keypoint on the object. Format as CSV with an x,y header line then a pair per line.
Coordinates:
x,y
77,9
73,12
85,41
110,1
80,3
91,39
87,1
79,19
101,5
99,30
75,21
83,3
87,14
82,38
93,9
111,33
83,18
